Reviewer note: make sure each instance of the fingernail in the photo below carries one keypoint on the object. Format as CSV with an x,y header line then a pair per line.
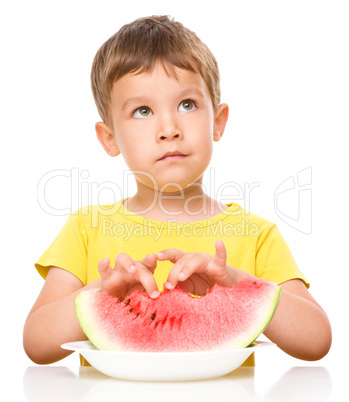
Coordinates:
x,y
160,255
181,275
133,268
155,294
169,285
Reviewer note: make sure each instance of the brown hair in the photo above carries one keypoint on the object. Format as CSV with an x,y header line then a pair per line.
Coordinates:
x,y
137,46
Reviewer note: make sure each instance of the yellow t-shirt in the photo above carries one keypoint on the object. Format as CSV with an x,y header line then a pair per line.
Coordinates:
x,y
253,244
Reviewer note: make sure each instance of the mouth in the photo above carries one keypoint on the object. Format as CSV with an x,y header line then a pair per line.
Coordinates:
x,y
172,156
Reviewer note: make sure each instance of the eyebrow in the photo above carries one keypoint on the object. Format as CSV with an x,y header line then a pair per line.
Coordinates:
x,y
192,92
144,99
136,99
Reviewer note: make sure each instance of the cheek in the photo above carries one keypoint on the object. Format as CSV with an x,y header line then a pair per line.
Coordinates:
x,y
134,156
206,152
204,122
132,144
202,136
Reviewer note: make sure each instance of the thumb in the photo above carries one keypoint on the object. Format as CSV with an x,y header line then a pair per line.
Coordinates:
x,y
104,268
220,257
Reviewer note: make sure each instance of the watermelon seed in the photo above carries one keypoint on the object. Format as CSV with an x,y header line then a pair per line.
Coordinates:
x,y
153,316
120,299
127,302
130,310
136,315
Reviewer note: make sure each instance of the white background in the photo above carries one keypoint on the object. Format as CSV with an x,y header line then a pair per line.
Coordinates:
x,y
284,69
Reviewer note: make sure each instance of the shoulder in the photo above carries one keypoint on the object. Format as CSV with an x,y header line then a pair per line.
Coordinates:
x,y
92,215
236,213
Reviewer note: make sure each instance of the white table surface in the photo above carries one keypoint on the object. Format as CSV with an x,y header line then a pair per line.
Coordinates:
x,y
298,383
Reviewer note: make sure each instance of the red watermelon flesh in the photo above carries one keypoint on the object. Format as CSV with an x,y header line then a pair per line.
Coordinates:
x,y
225,318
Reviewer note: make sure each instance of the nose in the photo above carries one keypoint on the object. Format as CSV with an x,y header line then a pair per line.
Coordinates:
x,y
169,129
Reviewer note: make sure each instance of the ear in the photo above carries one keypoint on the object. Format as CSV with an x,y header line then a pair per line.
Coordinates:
x,y
221,118
106,137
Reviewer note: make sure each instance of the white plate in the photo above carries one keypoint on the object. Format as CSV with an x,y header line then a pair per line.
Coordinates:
x,y
164,366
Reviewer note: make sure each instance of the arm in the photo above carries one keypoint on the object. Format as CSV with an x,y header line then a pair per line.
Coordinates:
x,y
299,327
52,320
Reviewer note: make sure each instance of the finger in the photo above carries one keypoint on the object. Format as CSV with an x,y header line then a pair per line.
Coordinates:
x,y
124,261
220,257
146,278
111,279
104,268
217,268
185,267
170,254
139,271
172,278
196,263
150,261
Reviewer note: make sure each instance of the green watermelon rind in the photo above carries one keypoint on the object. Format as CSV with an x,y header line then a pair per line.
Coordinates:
x,y
84,304
274,302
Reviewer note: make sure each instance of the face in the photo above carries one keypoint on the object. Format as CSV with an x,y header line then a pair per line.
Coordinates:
x,y
164,127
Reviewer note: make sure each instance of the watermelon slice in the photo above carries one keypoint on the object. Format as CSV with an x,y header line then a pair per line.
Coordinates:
x,y
225,318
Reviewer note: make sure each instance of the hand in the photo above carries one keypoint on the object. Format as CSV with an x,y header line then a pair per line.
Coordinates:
x,y
197,272
128,275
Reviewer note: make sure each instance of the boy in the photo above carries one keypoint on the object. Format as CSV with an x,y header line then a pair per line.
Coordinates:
x,y
156,86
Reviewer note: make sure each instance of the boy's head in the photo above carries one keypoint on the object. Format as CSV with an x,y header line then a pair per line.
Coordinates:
x,y
139,46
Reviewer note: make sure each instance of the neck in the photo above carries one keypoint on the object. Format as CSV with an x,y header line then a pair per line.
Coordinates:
x,y
187,205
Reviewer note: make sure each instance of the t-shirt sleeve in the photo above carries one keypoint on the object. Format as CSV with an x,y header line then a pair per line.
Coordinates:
x,y
274,260
68,251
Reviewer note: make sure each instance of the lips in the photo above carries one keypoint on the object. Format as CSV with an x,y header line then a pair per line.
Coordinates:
x,y
176,155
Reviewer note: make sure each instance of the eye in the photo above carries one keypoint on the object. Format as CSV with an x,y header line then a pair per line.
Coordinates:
x,y
187,105
143,111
